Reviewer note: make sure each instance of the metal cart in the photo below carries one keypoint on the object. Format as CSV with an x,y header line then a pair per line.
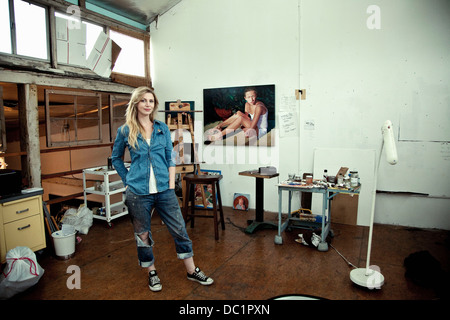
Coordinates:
x,y
325,223
105,188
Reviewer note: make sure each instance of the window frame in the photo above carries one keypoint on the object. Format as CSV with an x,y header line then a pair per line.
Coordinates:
x,y
2,123
51,65
13,35
112,128
130,79
48,117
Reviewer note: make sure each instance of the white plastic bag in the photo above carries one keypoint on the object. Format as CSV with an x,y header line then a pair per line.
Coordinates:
x,y
80,219
22,271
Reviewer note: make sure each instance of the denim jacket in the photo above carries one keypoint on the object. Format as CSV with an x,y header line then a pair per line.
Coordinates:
x,y
159,154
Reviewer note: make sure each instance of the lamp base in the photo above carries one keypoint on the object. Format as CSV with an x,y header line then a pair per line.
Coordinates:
x,y
371,279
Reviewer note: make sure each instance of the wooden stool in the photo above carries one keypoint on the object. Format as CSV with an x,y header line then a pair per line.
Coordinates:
x,y
213,180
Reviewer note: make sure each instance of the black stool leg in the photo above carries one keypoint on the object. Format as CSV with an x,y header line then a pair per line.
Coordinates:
x,y
220,206
214,201
192,203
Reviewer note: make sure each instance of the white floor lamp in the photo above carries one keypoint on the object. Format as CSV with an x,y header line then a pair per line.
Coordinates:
x,y
367,277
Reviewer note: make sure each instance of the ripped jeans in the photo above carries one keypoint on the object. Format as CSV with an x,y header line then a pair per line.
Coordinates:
x,y
166,203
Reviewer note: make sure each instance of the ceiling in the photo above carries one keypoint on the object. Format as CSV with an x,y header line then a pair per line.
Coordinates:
x,y
142,11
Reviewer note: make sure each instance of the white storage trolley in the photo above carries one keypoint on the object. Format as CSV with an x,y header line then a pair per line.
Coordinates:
x,y
106,188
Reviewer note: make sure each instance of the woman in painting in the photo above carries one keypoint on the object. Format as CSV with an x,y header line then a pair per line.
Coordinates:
x,y
254,121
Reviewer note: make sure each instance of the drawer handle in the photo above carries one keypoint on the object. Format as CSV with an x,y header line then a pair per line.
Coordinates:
x,y
22,211
21,228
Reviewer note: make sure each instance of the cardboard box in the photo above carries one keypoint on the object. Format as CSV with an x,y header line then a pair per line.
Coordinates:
x,y
342,171
103,56
344,209
70,43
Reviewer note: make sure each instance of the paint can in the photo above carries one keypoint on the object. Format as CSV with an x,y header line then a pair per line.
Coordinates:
x,y
354,179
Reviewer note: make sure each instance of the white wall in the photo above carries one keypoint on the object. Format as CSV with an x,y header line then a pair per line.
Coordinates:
x,y
208,44
355,78
358,77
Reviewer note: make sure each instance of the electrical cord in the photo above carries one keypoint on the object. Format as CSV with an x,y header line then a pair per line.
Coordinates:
x,y
345,259
235,225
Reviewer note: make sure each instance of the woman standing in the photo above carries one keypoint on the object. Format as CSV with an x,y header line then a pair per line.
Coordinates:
x,y
150,183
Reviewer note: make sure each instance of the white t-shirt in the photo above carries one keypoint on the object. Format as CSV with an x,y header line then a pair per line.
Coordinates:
x,y
262,123
152,181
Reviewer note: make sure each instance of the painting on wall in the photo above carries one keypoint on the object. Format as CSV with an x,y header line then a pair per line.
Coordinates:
x,y
239,115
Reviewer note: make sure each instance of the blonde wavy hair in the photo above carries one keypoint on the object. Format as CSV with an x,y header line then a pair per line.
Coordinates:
x,y
131,114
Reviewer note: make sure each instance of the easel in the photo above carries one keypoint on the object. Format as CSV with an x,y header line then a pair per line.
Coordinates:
x,y
183,121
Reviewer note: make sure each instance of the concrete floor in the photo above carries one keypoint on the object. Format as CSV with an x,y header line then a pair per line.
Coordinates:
x,y
243,266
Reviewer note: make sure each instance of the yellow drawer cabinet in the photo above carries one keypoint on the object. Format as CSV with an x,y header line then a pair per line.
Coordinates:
x,y
21,224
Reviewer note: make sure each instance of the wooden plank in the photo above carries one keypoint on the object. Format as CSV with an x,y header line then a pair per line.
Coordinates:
x,y
130,80
62,80
147,59
61,149
29,133
179,106
256,174
175,126
2,123
52,35
61,174
64,198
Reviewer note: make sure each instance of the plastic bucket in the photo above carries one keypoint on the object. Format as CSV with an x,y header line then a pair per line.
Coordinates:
x,y
64,244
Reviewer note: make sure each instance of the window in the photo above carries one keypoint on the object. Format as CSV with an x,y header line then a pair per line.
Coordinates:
x,y
117,107
131,59
29,35
24,32
92,33
5,31
30,30
73,118
74,39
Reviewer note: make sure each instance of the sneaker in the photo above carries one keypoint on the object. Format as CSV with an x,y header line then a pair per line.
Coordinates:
x,y
153,281
200,277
